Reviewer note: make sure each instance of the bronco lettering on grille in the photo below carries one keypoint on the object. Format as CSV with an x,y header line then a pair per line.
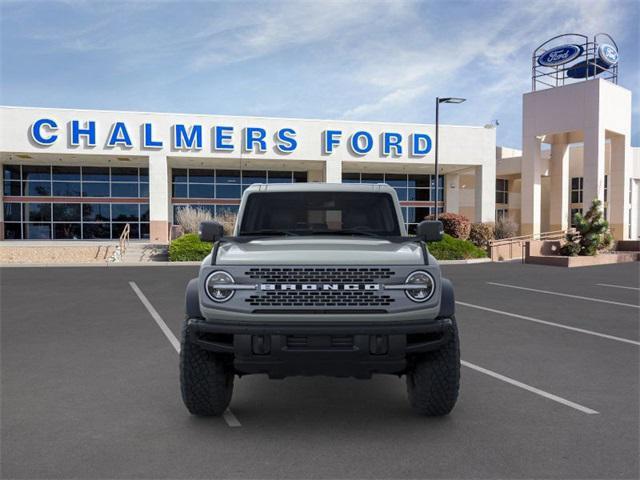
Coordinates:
x,y
319,286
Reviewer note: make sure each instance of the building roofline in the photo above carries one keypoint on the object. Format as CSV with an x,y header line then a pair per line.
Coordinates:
x,y
21,107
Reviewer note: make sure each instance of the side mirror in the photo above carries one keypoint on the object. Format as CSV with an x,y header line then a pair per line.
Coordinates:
x,y
210,231
430,231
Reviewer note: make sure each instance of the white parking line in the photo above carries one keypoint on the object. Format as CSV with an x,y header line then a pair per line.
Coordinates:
x,y
552,324
228,415
616,286
600,300
524,386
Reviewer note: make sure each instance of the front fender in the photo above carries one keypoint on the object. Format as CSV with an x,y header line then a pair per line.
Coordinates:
x,y
447,300
192,300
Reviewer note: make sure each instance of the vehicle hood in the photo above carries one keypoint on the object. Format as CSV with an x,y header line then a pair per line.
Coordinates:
x,y
320,251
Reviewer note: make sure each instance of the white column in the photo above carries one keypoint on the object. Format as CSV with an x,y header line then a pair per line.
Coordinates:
x,y
333,171
485,192
531,172
158,198
559,204
452,192
619,186
593,166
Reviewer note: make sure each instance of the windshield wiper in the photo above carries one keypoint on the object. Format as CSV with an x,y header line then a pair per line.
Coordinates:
x,y
267,231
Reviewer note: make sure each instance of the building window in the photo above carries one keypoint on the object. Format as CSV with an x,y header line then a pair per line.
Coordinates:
x,y
502,214
409,188
87,211
502,191
576,189
196,186
572,221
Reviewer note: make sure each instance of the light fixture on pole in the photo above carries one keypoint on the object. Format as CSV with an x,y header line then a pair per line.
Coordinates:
x,y
438,102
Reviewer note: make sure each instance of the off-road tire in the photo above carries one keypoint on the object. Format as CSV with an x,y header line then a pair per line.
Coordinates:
x,y
206,380
433,380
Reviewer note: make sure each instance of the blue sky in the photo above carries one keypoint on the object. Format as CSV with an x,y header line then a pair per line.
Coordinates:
x,y
355,60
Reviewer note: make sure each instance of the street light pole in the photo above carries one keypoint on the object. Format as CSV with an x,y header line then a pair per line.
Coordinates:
x,y
435,212
438,102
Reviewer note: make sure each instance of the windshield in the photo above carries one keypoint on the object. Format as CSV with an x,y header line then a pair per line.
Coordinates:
x,y
318,213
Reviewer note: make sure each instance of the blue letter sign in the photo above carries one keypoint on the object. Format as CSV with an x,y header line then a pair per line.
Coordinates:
x,y
119,136
286,142
36,131
182,139
89,131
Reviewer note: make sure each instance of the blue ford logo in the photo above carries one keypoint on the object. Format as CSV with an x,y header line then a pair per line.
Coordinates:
x,y
608,54
560,55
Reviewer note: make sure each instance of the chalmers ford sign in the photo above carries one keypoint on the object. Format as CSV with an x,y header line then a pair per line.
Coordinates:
x,y
219,138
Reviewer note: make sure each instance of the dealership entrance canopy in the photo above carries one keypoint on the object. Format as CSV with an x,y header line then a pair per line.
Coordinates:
x,y
85,174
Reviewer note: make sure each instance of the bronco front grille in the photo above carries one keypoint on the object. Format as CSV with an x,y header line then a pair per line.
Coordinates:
x,y
319,274
320,299
317,299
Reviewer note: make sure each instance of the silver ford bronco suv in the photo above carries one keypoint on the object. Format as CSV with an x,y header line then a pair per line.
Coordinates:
x,y
320,279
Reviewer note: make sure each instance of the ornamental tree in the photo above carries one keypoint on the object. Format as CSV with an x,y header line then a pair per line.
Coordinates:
x,y
591,235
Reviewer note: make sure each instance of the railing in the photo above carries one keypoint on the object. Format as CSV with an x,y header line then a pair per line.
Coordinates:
x,y
514,247
123,242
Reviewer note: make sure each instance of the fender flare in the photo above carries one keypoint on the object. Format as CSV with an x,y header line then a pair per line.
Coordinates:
x,y
192,300
447,300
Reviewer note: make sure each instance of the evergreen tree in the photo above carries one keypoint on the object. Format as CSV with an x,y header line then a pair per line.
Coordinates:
x,y
592,233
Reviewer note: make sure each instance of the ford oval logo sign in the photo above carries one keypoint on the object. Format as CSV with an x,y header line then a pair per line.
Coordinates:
x,y
560,55
608,54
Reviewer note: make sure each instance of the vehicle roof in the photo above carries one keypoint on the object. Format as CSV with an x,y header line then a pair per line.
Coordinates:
x,y
320,187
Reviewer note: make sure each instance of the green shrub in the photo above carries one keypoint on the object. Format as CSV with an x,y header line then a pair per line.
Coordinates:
x,y
450,248
458,226
591,235
188,248
481,234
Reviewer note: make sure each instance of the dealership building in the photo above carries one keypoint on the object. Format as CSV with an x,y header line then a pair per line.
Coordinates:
x,y
85,174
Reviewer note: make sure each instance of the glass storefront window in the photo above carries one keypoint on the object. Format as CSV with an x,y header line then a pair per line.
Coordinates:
x,y
228,191
120,174
279,177
201,176
96,212
37,231
66,212
67,231
198,190
37,189
254,176
12,212
74,219
129,190
93,189
36,172
227,176
12,231
299,177
11,172
66,173
92,231
95,174
124,212
37,212
12,188
66,189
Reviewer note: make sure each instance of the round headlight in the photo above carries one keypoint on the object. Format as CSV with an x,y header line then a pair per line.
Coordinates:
x,y
218,294
424,286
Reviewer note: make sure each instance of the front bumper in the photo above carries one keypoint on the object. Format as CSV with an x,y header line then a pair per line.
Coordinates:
x,y
333,349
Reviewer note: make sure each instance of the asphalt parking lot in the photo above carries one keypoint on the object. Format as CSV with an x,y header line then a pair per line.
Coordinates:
x,y
550,386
